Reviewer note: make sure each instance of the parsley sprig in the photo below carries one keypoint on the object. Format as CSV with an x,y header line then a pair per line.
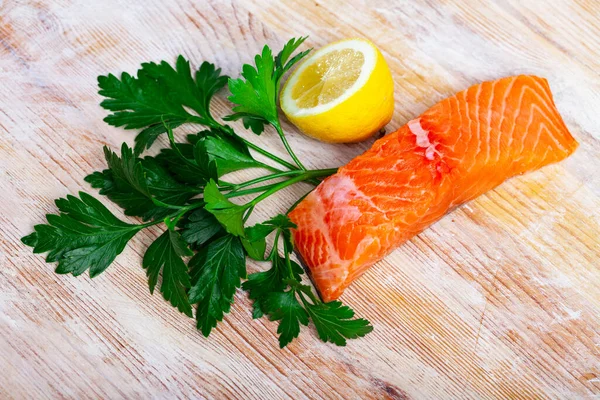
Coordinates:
x,y
199,260
155,99
279,293
256,93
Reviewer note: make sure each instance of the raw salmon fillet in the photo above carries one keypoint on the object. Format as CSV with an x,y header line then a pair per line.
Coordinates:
x,y
460,148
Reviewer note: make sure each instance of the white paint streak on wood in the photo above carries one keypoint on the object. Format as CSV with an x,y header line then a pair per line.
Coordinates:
x,y
500,299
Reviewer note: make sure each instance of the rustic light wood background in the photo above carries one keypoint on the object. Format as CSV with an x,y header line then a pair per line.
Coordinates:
x,y
500,299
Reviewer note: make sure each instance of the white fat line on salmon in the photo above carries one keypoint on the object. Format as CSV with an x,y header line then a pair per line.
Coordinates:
x,y
422,138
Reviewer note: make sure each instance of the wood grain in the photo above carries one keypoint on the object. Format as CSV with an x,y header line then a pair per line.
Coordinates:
x,y
500,299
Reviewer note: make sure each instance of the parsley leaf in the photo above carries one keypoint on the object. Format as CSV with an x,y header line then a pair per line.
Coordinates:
x,y
256,125
120,192
207,166
281,221
259,231
200,227
226,148
255,240
281,60
194,138
147,136
230,153
255,94
284,224
209,81
162,186
255,249
184,170
165,254
285,307
279,293
229,214
158,95
127,169
133,183
334,322
190,164
260,284
216,272
85,235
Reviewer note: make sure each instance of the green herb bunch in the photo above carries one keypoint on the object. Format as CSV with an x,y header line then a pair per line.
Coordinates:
x,y
201,255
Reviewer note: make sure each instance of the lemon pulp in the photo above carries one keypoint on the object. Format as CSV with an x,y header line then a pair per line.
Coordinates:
x,y
328,79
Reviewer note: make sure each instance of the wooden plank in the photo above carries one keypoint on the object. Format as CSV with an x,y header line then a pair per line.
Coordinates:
x,y
500,299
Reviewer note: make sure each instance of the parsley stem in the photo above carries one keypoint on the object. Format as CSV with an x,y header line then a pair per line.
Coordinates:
x,y
225,185
257,189
266,178
280,174
176,219
269,167
247,215
267,154
151,223
306,303
315,300
288,262
266,190
288,148
165,205
272,156
207,121
274,252
176,148
299,178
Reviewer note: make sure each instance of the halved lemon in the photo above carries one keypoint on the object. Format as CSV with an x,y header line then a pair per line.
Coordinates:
x,y
343,93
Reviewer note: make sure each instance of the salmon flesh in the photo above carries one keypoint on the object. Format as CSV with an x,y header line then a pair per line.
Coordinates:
x,y
457,150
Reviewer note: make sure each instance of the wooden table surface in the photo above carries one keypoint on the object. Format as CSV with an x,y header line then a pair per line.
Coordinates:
x,y
500,299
